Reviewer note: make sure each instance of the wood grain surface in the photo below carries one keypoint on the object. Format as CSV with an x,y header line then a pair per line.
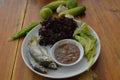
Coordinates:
x,y
102,15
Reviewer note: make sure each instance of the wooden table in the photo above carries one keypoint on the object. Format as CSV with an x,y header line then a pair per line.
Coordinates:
x,y
102,15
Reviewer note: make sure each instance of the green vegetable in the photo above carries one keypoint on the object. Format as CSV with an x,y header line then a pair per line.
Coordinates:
x,y
45,12
74,11
91,53
88,41
53,5
82,30
82,40
90,45
24,31
71,3
91,62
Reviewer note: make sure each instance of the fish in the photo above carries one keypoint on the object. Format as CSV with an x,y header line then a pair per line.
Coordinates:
x,y
40,54
35,65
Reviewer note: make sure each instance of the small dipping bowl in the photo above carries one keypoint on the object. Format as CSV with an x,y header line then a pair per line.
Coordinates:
x,y
67,52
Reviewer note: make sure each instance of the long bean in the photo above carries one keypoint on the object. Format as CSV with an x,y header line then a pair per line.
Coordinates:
x,y
24,31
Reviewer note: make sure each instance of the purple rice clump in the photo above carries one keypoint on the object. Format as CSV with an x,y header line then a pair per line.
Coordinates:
x,y
54,29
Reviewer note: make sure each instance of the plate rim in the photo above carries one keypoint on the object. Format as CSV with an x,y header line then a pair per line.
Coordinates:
x,y
54,77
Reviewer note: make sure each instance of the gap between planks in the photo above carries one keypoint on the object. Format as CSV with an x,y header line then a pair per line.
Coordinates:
x,y
21,26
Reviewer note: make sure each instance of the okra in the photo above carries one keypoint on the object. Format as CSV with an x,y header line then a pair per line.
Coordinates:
x,y
24,31
74,11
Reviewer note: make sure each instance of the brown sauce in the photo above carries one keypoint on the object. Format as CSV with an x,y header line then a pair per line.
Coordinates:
x,y
67,53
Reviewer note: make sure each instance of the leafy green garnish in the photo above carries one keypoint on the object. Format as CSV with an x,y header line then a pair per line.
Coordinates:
x,y
84,36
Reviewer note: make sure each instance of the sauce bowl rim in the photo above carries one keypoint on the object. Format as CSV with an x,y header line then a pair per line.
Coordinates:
x,y
67,41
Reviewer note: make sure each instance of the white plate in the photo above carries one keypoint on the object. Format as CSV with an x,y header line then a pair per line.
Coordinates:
x,y
62,72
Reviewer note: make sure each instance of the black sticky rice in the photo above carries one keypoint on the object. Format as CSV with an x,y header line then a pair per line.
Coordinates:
x,y
54,29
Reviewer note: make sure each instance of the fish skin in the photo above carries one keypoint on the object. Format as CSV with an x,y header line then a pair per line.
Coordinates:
x,y
40,55
53,65
35,65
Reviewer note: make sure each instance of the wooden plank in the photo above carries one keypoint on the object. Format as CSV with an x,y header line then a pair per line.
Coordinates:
x,y
110,25
92,19
11,16
96,16
32,15
25,72
106,25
